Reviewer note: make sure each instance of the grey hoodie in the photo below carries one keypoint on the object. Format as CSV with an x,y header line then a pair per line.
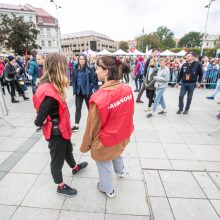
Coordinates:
x,y
162,77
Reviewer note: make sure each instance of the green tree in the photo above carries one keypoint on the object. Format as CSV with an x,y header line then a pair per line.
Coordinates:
x,y
18,35
191,39
148,40
124,46
166,37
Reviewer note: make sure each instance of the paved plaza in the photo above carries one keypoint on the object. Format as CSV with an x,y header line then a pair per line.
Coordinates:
x,y
173,168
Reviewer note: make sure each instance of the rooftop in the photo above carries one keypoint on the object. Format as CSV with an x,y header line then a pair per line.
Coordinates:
x,y
85,34
15,7
40,11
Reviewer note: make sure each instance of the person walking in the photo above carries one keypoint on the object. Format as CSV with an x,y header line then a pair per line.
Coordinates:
x,y
154,53
110,122
84,84
33,70
161,82
139,73
53,116
190,76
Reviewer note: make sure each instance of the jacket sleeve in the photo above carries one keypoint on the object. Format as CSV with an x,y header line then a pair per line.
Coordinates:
x,y
8,72
44,110
164,77
31,69
137,69
92,128
200,73
180,76
93,80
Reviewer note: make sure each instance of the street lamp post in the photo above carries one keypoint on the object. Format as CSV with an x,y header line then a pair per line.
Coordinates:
x,y
58,26
203,39
142,45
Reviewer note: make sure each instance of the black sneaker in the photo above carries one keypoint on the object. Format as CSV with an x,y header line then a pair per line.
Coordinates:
x,y
74,128
179,112
185,112
149,115
79,167
66,190
163,112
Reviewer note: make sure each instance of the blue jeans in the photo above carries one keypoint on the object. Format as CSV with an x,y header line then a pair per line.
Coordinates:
x,y
189,89
217,89
138,78
159,99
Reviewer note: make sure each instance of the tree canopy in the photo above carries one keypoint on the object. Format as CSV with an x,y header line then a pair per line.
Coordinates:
x,y
191,39
17,34
124,45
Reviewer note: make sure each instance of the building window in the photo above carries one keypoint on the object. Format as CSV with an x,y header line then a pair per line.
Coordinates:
x,y
48,31
49,43
41,31
42,43
207,44
40,20
30,18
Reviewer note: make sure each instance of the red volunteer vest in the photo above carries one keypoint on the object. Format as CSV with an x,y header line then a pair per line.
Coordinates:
x,y
116,109
48,89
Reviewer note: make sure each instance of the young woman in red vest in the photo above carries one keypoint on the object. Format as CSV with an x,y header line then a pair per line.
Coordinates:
x,y
110,122
53,117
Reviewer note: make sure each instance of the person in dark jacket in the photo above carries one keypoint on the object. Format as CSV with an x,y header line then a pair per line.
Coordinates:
x,y
190,76
84,84
10,76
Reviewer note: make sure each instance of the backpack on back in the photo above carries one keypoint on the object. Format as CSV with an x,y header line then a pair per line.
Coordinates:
x,y
142,67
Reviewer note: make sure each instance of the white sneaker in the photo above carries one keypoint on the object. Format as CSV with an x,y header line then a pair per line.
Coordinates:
x,y
148,109
110,195
121,175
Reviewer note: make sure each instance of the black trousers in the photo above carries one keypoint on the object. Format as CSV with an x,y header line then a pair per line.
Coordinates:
x,y
60,150
79,101
3,84
126,77
150,95
189,89
12,85
141,91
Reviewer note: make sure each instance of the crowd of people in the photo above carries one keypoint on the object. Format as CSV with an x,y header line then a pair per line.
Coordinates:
x,y
102,83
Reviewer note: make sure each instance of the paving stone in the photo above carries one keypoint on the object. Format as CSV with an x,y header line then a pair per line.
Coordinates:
x,y
125,217
216,178
130,150
151,150
216,204
146,136
154,184
155,164
43,194
186,165
32,163
179,127
14,187
161,208
207,185
88,199
193,209
122,205
70,215
26,213
11,144
23,132
205,152
6,212
169,137
4,156
181,184
40,147
193,138
211,166
178,151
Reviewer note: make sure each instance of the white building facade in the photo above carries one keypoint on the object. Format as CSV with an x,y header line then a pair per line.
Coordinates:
x,y
210,41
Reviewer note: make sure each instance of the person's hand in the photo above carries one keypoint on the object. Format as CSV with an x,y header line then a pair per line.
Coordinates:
x,y
37,82
198,85
177,85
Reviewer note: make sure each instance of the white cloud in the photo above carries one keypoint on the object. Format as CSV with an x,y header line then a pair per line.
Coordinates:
x,y
124,19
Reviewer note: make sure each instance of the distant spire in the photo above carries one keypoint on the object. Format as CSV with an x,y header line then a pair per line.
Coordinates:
x,y
143,30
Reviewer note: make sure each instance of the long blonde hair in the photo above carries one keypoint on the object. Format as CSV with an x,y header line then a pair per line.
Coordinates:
x,y
55,71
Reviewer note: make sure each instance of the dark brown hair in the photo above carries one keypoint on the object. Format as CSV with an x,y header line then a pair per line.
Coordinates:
x,y
115,68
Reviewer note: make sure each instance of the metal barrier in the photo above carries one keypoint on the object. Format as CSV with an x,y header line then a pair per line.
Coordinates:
x,y
3,108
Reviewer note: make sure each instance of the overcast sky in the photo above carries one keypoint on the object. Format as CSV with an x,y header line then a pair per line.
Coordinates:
x,y
125,19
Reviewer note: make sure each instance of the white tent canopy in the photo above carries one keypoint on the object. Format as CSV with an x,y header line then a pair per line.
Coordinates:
x,y
181,53
137,53
167,53
104,52
120,52
89,52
